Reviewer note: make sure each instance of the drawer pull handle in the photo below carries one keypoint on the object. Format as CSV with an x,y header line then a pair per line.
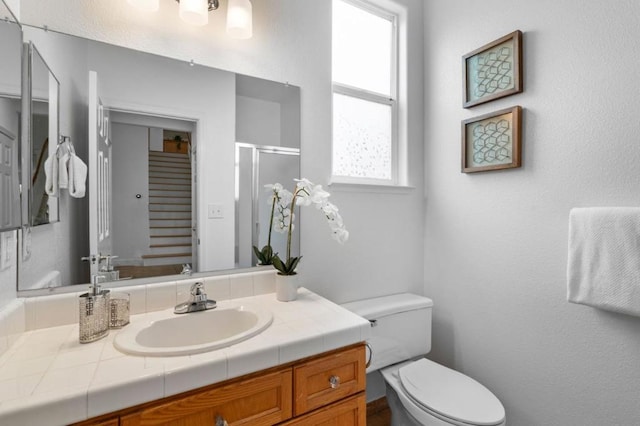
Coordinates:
x,y
220,421
334,381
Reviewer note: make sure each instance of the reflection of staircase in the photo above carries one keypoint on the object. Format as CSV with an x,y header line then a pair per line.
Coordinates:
x,y
169,209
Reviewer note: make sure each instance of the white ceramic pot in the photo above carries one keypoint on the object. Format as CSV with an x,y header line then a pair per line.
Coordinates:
x,y
286,287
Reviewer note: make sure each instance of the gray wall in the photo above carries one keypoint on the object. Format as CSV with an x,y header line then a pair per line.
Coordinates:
x,y
496,243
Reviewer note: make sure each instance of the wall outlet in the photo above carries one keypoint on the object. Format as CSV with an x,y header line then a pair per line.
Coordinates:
x,y
215,211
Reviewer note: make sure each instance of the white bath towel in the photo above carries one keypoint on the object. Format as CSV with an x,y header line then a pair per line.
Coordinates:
x,y
603,268
51,175
77,176
63,170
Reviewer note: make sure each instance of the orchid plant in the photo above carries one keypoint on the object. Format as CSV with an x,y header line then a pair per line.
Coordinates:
x,y
266,254
283,204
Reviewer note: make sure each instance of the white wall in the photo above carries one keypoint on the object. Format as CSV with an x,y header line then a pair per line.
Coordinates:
x,y
156,139
496,242
291,43
258,121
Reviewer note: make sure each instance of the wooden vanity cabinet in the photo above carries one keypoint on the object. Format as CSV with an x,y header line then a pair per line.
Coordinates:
x,y
260,401
327,389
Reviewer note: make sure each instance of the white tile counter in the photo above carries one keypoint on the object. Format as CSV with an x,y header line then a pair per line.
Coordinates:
x,y
48,378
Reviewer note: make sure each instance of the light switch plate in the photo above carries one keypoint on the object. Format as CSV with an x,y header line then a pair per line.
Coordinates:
x,y
215,211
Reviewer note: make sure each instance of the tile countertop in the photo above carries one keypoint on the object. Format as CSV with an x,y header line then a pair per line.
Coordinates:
x,y
48,378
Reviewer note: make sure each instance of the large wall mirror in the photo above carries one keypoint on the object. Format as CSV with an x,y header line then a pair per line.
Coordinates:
x,y
10,115
159,138
43,140
10,135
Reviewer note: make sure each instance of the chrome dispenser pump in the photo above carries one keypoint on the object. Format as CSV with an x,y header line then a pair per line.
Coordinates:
x,y
94,312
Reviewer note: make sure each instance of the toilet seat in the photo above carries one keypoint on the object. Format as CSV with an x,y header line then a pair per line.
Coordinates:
x,y
426,388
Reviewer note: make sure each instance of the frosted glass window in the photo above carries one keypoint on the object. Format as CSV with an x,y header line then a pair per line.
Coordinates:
x,y
362,142
362,48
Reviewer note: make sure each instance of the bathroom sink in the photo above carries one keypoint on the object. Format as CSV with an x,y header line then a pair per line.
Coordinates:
x,y
193,333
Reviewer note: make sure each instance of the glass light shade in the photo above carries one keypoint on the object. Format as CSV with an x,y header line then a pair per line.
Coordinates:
x,y
146,5
194,12
239,19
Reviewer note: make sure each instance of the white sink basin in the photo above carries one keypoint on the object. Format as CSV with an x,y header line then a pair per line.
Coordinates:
x,y
194,332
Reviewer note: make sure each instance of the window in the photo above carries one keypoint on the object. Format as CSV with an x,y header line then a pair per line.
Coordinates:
x,y
364,68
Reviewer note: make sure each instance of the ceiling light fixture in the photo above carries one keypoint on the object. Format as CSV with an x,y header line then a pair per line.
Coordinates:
x,y
239,19
196,12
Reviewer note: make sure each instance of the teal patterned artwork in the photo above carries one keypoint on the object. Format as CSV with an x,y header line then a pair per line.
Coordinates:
x,y
493,71
492,141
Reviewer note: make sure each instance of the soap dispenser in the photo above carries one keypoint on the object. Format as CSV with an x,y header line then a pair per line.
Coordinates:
x,y
94,312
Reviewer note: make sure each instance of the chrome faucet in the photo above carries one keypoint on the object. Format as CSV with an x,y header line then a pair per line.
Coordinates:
x,y
197,301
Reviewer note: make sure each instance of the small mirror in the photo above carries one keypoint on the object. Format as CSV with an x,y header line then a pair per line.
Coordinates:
x,y
10,106
43,132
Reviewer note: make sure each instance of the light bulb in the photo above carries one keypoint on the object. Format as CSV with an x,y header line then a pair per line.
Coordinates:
x,y
239,19
194,12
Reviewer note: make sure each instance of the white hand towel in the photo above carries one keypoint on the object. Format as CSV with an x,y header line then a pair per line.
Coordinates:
x,y
603,269
51,175
63,171
77,176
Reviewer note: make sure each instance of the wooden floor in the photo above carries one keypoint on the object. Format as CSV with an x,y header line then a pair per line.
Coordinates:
x,y
378,413
148,271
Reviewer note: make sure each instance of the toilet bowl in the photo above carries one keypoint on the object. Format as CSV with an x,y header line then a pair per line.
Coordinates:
x,y
420,391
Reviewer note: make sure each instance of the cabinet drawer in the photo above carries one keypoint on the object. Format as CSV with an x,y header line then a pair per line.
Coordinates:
x,y
114,421
350,412
325,380
260,401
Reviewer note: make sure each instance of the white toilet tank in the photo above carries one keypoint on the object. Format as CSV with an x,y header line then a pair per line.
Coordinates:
x,y
401,327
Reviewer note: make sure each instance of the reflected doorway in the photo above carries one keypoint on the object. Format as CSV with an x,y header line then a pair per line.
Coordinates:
x,y
257,166
154,203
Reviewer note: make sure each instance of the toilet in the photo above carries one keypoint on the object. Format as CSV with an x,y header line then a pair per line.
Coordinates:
x,y
420,391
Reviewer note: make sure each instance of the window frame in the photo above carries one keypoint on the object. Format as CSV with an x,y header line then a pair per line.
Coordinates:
x,y
370,96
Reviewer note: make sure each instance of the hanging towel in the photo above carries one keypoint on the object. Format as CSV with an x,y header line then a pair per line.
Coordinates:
x,y
77,176
63,171
603,269
51,175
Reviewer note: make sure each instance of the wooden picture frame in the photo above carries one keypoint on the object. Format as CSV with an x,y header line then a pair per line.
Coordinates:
x,y
492,141
493,71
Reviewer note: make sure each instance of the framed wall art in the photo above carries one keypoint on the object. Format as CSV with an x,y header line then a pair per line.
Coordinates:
x,y
493,71
492,141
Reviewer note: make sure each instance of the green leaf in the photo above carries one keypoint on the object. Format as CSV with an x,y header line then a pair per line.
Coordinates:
x,y
265,256
288,267
277,263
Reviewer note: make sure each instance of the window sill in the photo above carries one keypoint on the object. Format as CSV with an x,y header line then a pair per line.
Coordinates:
x,y
370,187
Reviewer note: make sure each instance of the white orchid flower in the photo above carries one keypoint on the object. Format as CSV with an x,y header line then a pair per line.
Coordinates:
x,y
318,195
341,235
275,187
303,183
305,194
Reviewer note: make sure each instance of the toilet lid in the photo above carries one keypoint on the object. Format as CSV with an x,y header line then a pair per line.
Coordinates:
x,y
450,393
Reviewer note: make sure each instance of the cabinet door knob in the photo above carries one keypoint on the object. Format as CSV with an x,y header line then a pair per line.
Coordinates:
x,y
334,381
220,421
